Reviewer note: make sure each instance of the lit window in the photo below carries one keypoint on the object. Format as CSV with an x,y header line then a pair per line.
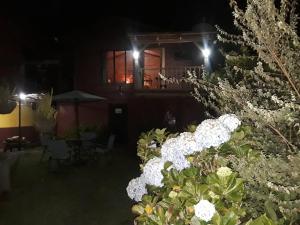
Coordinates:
x,y
119,67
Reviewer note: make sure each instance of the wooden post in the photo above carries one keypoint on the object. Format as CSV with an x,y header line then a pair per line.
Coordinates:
x,y
20,129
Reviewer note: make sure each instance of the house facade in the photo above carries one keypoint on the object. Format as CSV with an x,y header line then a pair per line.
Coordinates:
x,y
128,76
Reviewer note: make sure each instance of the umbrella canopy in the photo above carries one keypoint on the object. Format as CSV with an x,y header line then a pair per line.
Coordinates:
x,y
77,96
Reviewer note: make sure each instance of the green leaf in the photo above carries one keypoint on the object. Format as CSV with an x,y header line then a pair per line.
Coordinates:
x,y
226,148
195,221
262,220
269,207
155,219
189,188
229,219
191,172
147,199
235,192
137,209
160,131
247,129
239,135
161,213
201,189
217,219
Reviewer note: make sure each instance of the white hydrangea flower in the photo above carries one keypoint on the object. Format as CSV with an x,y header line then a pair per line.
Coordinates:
x,y
136,188
187,143
224,171
230,121
205,210
171,151
152,171
211,133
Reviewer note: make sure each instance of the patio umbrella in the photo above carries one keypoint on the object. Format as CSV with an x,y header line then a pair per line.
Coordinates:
x,y
77,97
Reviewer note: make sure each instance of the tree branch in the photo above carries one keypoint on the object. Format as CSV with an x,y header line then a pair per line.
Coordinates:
x,y
283,69
282,136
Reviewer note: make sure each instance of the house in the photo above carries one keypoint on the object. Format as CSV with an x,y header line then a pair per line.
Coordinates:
x,y
127,75
118,63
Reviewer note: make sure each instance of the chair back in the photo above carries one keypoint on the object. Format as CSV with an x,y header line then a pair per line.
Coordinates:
x,y
44,139
88,136
59,149
111,142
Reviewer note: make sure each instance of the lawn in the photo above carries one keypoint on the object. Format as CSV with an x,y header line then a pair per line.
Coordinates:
x,y
93,194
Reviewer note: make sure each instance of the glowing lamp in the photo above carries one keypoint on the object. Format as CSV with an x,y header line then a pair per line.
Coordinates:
x,y
136,54
22,96
206,52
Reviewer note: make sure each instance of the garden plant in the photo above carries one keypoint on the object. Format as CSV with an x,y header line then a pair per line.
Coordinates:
x,y
240,168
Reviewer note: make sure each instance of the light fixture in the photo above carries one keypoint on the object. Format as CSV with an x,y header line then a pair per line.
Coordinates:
x,y
136,54
206,52
22,96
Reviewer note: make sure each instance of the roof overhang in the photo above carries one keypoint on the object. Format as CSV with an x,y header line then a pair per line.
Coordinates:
x,y
169,38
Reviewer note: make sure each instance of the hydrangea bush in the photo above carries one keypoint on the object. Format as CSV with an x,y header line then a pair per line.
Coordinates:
x,y
187,178
260,83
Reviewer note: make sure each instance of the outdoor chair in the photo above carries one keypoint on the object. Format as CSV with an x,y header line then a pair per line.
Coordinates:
x,y
88,136
110,145
59,152
88,143
44,140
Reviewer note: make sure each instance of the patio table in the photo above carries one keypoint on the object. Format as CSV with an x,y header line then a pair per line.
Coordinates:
x,y
76,145
13,143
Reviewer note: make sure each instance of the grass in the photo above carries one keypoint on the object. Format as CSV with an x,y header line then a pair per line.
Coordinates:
x,y
93,194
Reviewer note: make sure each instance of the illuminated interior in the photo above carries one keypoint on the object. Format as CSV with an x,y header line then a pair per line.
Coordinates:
x,y
152,67
120,64
119,67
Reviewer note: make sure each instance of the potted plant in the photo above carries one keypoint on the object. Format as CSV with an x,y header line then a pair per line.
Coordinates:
x,y
6,103
45,115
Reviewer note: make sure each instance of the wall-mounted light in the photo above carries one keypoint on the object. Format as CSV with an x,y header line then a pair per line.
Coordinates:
x,y
136,54
206,52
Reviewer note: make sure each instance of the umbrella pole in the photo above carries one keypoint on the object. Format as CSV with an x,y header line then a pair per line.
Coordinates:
x,y
77,118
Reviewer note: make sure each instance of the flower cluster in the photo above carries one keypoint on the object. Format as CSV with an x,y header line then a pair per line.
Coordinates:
x,y
210,133
213,133
170,152
230,121
136,188
205,210
152,172
224,171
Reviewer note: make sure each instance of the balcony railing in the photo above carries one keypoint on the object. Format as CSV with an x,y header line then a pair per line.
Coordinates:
x,y
152,79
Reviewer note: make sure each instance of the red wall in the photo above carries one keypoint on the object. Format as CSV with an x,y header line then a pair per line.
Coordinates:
x,y
90,114
87,70
146,113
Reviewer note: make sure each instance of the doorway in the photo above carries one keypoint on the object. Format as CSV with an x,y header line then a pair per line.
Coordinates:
x,y
118,122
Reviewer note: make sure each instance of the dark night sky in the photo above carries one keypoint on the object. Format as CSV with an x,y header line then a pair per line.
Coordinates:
x,y
58,17
49,27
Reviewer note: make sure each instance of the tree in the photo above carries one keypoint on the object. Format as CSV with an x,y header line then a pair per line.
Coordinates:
x,y
260,83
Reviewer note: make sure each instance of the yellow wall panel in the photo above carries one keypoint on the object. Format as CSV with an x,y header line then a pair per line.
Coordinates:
x,y
12,119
